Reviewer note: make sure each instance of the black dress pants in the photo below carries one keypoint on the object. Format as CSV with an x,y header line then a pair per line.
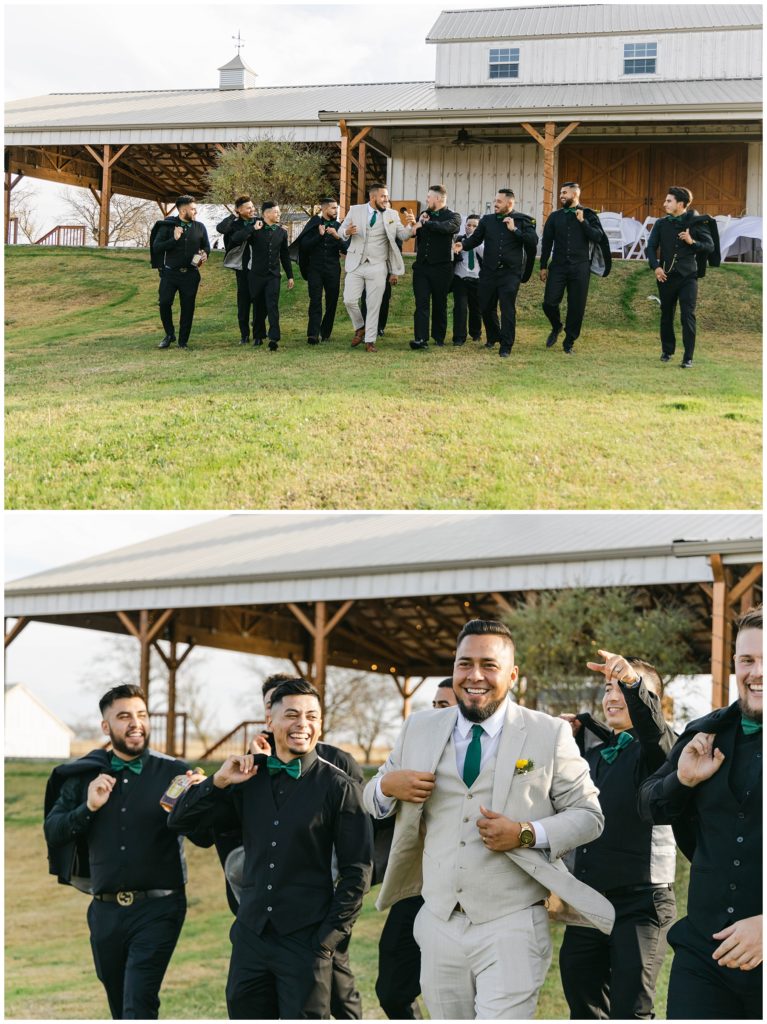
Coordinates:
x,y
574,277
465,303
699,989
399,961
327,281
431,286
345,1000
275,976
265,292
132,947
499,286
246,308
683,290
185,282
613,977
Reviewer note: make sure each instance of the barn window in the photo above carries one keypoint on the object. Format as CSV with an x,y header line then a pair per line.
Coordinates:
x,y
504,63
639,58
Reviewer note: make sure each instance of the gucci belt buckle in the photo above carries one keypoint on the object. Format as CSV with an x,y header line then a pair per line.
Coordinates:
x,y
125,899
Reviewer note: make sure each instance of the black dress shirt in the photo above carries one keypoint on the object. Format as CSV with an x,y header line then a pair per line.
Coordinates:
x,y
290,828
179,252
677,256
268,249
505,249
436,235
570,237
125,844
321,251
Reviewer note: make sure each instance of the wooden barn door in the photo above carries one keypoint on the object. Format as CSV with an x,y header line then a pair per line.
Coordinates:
x,y
632,178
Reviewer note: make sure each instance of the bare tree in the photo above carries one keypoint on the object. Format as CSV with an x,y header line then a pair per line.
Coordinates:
x,y
24,209
362,707
130,220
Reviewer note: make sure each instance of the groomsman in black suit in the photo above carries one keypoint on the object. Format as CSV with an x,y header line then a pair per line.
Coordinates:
x,y
268,248
435,230
572,230
710,790
319,259
295,811
244,215
510,244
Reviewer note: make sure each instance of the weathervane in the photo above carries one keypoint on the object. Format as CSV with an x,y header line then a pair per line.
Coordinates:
x,y
238,42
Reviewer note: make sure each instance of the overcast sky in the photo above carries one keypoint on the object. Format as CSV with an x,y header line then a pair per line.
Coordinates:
x,y
112,46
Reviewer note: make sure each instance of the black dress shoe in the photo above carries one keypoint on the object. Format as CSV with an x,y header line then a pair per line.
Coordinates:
x,y
439,344
478,337
686,364
380,334
457,343
183,344
568,351
257,342
244,341
489,344
504,352
665,358
273,345
312,341
419,346
552,338
166,342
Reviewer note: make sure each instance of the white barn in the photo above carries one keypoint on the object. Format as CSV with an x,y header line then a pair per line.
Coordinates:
x,y
625,98
31,729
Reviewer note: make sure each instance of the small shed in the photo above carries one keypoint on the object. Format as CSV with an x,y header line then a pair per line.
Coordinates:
x,y
32,729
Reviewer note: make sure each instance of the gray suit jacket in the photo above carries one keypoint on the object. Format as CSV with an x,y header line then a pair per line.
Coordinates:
x,y
358,215
558,793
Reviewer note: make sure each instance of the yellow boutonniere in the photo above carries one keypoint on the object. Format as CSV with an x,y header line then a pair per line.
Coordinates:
x,y
523,766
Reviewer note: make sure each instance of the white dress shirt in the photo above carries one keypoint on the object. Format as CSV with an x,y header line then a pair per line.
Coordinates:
x,y
462,735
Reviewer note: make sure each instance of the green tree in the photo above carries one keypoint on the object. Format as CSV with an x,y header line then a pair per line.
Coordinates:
x,y
292,173
558,632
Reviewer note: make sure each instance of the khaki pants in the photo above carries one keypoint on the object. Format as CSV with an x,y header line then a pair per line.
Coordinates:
x,y
370,278
491,971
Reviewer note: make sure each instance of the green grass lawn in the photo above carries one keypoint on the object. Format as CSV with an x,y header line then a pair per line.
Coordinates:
x,y
97,417
49,972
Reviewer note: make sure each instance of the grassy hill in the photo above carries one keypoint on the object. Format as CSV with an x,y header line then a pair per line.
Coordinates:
x,y
96,416
49,971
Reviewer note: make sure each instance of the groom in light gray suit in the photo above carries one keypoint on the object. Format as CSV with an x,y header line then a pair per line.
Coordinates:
x,y
488,796
372,257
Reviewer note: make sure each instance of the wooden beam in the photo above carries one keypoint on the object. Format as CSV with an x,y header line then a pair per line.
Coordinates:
x,y
548,168
721,635
344,189
106,195
306,622
361,174
360,136
128,623
320,648
531,131
21,623
113,160
338,616
565,132
143,630
502,603
159,624
746,583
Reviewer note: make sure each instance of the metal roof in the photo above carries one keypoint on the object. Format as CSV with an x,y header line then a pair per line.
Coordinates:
x,y
177,115
278,557
590,20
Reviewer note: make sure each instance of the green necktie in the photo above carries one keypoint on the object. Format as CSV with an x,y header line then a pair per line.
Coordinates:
x,y
135,766
292,768
473,756
373,218
749,725
610,753
471,259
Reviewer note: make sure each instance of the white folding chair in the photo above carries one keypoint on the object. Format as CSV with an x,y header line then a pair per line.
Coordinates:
x,y
637,250
612,224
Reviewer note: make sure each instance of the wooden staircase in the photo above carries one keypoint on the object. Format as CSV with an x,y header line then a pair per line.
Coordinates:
x,y
235,742
64,234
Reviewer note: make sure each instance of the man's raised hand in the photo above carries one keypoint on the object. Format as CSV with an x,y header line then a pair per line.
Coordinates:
x,y
699,760
237,768
413,787
99,791
615,667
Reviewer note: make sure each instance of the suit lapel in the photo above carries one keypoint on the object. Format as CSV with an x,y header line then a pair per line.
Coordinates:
x,y
441,734
509,749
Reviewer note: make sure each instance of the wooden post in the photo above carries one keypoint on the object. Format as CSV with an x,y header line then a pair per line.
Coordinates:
x,y
170,721
361,173
721,635
320,648
143,638
10,185
549,141
344,188
105,162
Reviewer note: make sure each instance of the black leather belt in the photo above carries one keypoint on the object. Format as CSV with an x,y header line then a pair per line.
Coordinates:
x,y
128,898
626,890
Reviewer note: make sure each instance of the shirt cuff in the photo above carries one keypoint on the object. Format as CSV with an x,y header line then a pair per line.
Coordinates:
x,y
541,839
384,805
81,819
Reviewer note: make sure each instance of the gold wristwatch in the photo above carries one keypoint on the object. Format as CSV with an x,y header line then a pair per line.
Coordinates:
x,y
526,834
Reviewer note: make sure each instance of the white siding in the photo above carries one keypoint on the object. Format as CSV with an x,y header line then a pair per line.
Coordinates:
x,y
472,176
166,136
30,730
682,56
754,180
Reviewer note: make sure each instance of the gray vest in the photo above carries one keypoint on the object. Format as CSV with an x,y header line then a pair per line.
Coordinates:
x,y
457,867
376,242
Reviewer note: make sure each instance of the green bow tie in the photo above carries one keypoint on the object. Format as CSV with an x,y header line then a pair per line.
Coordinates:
x,y
292,768
570,209
676,220
610,753
328,223
749,725
270,227
501,216
117,764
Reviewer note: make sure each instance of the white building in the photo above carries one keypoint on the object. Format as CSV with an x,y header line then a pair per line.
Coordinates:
x,y
627,99
31,730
